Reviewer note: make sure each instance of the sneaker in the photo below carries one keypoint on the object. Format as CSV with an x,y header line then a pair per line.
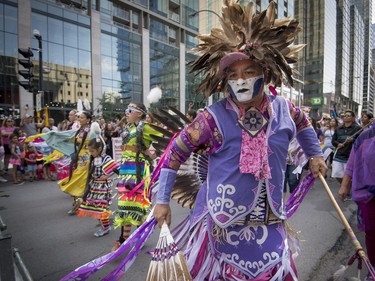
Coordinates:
x,y
72,212
2,179
116,246
102,232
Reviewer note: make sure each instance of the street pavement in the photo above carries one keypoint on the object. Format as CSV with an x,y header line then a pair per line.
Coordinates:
x,y
52,243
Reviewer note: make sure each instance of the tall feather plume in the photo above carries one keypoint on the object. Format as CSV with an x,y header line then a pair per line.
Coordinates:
x,y
264,38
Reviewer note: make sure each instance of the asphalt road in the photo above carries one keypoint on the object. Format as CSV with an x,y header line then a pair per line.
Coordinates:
x,y
52,244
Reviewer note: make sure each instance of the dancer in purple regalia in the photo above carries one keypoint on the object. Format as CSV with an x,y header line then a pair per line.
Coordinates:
x,y
237,225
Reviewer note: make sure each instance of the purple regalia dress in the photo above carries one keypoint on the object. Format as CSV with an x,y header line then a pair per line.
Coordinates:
x,y
240,216
237,229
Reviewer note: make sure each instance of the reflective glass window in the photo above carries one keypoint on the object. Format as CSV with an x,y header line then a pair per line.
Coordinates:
x,y
84,20
84,59
39,6
55,10
11,19
106,44
70,15
164,62
158,30
39,22
160,7
70,57
106,67
84,41
2,41
1,17
56,54
70,35
11,45
55,31
116,75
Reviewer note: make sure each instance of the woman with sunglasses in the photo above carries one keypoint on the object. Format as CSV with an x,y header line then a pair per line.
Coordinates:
x,y
7,129
133,199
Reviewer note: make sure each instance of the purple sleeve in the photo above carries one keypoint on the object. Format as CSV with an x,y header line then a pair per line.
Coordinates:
x,y
309,142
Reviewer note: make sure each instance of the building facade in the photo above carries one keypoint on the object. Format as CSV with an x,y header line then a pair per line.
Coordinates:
x,y
318,60
106,52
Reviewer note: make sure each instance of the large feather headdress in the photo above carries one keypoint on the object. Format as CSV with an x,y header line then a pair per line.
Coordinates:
x,y
260,36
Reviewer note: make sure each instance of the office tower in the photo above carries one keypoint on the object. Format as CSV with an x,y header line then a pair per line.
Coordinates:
x,y
108,52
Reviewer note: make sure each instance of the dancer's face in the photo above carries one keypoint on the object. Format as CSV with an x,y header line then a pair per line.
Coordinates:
x,y
245,79
95,152
133,115
83,120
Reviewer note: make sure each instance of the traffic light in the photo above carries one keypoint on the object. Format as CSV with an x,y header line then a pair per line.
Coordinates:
x,y
27,73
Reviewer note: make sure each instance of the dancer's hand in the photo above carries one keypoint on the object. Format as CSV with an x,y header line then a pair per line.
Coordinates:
x,y
317,164
162,212
345,187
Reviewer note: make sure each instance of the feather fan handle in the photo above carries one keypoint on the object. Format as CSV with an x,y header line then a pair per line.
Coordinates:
x,y
167,263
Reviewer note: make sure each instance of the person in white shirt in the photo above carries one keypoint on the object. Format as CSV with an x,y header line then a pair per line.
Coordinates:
x,y
51,126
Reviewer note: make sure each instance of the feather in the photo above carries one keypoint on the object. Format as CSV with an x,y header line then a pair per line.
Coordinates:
x,y
162,130
86,104
179,113
171,118
155,95
95,130
166,122
79,105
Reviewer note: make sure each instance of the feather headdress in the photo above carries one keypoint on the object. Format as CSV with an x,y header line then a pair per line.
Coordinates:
x,y
260,36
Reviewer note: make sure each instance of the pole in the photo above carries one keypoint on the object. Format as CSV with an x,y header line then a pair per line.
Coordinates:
x,y
40,63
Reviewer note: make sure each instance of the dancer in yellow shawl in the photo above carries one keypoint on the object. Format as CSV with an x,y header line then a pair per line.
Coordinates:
x,y
75,183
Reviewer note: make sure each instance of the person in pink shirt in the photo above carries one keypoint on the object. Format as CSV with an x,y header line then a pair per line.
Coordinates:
x,y
7,129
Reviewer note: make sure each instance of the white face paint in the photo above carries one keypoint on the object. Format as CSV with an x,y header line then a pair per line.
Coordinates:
x,y
246,89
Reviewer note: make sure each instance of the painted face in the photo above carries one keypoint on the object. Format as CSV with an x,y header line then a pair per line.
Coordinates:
x,y
245,80
246,89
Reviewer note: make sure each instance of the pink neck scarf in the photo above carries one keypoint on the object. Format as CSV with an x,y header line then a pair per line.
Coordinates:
x,y
254,150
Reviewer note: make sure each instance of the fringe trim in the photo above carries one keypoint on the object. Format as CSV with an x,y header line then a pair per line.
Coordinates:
x,y
93,214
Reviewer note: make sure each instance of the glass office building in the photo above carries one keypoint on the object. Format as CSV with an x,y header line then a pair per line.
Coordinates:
x,y
106,52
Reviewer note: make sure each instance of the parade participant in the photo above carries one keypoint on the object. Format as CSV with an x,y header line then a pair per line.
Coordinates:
x,y
343,139
366,118
75,183
15,158
98,194
237,229
30,157
7,129
73,122
135,166
328,134
359,181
